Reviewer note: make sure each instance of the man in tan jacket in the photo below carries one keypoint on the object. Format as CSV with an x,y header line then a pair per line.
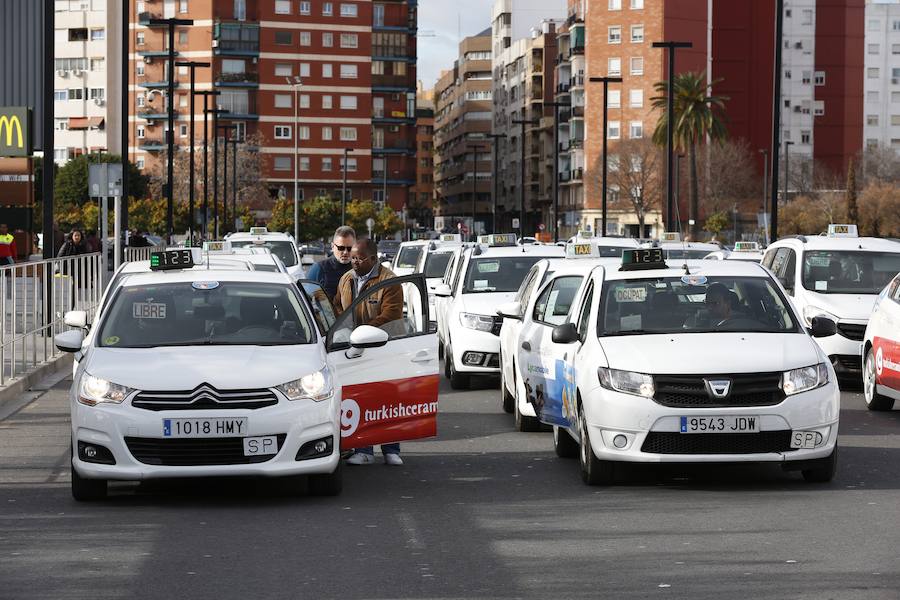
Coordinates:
x,y
383,309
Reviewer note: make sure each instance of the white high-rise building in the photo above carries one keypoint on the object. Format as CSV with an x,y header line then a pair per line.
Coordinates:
x,y
882,78
799,76
87,83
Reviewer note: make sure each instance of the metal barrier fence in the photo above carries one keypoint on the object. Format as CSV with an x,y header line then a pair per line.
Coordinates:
x,y
133,254
28,321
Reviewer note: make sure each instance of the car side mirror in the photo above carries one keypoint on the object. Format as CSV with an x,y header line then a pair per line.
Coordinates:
x,y
566,333
823,327
76,318
366,336
69,341
510,310
442,290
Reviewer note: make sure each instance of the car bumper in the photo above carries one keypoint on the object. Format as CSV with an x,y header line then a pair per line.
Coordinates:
x,y
645,423
300,422
843,353
467,344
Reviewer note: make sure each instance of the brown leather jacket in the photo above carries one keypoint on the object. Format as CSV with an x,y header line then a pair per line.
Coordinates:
x,y
384,306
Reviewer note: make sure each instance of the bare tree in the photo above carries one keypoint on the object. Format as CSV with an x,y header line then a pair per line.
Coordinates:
x,y
878,165
635,170
731,178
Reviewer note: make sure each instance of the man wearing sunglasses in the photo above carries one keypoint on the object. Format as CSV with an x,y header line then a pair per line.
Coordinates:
x,y
328,272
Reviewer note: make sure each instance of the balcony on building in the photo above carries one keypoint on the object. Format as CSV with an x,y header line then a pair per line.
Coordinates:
x,y
145,17
157,85
577,40
394,117
576,174
578,112
153,114
239,105
236,38
576,82
394,84
152,145
563,89
237,80
396,147
151,54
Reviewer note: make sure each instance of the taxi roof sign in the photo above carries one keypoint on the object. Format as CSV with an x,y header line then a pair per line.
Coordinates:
x,y
746,247
498,239
451,237
837,230
670,236
217,247
171,260
582,250
641,259
584,234
259,230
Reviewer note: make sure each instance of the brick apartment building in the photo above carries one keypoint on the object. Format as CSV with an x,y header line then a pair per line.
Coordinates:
x,y
356,61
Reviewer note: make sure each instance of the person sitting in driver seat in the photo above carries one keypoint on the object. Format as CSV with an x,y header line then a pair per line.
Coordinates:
x,y
722,304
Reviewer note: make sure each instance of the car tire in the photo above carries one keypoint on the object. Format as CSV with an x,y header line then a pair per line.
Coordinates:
x,y
328,484
593,470
448,356
563,444
458,381
507,400
874,400
823,469
440,349
523,423
87,490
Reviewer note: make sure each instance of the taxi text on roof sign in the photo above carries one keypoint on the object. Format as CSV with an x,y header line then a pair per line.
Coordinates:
x,y
168,260
217,246
259,230
451,237
643,258
498,239
746,247
835,230
582,250
670,236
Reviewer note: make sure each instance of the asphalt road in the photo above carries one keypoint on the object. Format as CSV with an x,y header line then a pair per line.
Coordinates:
x,y
482,511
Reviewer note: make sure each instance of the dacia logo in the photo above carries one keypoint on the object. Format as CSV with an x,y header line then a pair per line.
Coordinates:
x,y
718,388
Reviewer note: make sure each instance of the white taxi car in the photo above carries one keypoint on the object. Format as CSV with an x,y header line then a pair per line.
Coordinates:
x,y
881,350
749,251
480,278
281,244
196,372
677,249
839,276
407,259
659,365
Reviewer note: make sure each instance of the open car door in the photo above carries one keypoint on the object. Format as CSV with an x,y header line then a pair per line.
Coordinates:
x,y
389,373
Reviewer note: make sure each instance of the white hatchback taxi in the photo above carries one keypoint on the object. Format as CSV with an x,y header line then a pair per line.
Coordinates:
x,y
281,244
656,364
881,350
202,372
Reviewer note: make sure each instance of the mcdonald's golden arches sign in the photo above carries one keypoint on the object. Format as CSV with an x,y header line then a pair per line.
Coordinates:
x,y
15,131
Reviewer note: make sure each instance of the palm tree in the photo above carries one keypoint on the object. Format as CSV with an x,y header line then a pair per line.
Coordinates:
x,y
697,115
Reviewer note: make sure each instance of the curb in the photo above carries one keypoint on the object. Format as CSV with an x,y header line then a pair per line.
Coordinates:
x,y
25,383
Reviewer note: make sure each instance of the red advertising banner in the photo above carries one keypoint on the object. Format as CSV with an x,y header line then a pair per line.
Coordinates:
x,y
389,411
887,362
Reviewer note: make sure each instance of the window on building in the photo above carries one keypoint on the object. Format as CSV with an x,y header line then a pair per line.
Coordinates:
x,y
283,132
281,163
140,163
819,108
614,99
895,97
874,48
820,78
614,66
139,69
183,130
637,4
283,70
303,132
804,137
806,77
378,15
305,7
61,124
327,70
139,99
305,38
182,100
327,101
807,16
614,35
283,38
182,6
282,7
349,40
348,134
874,24
614,132
378,106
60,154
141,132
327,9
348,102
326,163
636,98
895,25
327,134
872,97
399,68
637,34
351,165
139,38
327,39
895,48
378,67
378,137
240,10
895,120
76,93
304,70
636,130
98,64
98,35
349,10
637,65
895,75
615,4
304,100
304,163
873,72
348,71
872,120
283,101
233,65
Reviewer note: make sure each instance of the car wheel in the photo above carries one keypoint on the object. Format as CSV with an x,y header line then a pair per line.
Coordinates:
x,y
458,381
523,423
440,349
507,400
329,484
874,400
563,443
87,490
448,358
823,470
593,470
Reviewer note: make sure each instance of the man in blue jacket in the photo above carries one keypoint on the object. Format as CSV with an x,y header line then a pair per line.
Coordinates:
x,y
328,272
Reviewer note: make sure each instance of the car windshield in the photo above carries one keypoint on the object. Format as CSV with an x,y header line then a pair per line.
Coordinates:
x,y
693,304
685,254
848,272
436,264
205,314
388,246
283,249
409,257
504,274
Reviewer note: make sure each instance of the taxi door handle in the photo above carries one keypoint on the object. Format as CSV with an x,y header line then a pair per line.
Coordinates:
x,y
421,357
526,346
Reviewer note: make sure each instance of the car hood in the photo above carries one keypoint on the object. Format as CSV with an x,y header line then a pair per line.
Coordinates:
x,y
851,307
712,353
485,303
223,367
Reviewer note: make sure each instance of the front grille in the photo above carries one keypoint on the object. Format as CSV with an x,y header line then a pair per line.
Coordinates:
x,y
205,397
194,452
747,389
659,442
498,323
846,362
852,332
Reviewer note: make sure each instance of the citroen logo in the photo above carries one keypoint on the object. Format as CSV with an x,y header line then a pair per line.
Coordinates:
x,y
718,388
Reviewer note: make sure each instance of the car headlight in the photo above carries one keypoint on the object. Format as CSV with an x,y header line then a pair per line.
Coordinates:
x,y
95,390
477,322
628,382
810,312
316,386
805,379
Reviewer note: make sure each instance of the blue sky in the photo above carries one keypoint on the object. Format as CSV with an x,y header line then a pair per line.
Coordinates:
x,y
447,18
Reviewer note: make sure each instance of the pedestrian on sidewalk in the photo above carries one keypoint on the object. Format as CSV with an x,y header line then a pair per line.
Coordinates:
x,y
328,272
74,246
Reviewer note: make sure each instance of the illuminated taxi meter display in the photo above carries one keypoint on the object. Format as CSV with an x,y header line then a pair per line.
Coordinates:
x,y
746,247
172,260
842,231
498,239
643,259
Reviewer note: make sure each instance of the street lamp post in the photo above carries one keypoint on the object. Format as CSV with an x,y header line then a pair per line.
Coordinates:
x,y
296,84
215,129
605,81
787,173
495,142
765,202
170,146
225,129
776,114
474,148
344,188
234,169
126,72
670,121
206,111
556,106
523,123
192,65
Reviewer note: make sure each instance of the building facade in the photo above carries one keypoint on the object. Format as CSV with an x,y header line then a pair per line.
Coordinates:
x,y
421,206
882,83
87,82
340,76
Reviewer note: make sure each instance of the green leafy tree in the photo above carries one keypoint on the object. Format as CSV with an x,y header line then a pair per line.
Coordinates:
x,y
358,212
696,115
387,222
716,223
